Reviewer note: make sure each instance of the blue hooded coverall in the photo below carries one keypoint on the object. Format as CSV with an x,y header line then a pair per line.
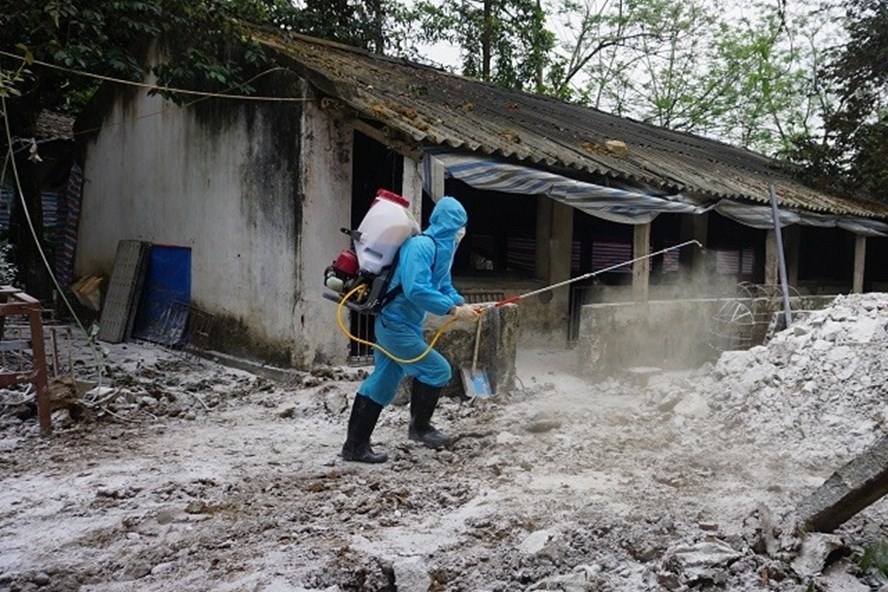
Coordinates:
x,y
423,272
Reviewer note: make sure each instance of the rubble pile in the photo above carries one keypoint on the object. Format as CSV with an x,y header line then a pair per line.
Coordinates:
x,y
817,390
144,383
200,477
168,388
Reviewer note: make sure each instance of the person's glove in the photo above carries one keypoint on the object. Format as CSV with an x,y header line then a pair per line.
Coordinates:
x,y
465,312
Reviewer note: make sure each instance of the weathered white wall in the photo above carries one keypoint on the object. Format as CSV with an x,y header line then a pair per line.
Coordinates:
x,y
227,181
326,174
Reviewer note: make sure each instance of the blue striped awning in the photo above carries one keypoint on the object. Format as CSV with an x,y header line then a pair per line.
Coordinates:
x,y
610,203
616,204
761,217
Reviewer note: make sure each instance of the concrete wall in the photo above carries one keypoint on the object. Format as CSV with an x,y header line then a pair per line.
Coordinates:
x,y
542,320
326,174
252,189
673,334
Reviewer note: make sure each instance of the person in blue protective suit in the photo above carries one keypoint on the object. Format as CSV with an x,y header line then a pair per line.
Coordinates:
x,y
421,284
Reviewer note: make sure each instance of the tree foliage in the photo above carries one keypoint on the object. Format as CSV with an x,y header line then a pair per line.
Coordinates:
x,y
664,84
110,37
381,26
505,42
208,48
599,41
696,65
853,147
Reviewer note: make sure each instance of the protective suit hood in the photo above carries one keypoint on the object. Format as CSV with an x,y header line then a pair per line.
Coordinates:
x,y
423,270
448,216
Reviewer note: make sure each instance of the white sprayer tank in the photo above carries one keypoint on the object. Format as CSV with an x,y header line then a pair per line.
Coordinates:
x,y
383,230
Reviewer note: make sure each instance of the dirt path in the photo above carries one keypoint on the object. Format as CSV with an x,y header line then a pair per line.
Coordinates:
x,y
578,486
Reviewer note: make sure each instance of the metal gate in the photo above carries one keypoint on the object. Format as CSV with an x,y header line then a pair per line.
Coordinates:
x,y
579,295
360,354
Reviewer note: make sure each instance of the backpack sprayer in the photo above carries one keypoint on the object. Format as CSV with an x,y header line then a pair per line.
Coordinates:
x,y
359,276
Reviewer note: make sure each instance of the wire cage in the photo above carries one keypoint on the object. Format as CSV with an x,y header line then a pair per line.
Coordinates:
x,y
184,327
745,320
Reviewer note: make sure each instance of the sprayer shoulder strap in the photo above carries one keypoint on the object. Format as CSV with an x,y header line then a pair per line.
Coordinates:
x,y
398,290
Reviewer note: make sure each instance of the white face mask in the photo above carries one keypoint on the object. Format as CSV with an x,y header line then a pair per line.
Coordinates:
x,y
460,234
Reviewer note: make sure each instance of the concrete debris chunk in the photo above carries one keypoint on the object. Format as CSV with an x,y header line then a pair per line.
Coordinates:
x,y
535,542
411,573
703,561
816,547
849,490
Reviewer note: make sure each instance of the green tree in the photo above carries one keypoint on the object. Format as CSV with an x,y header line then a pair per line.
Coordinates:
x,y
599,40
111,37
852,150
750,79
666,82
380,26
762,78
505,42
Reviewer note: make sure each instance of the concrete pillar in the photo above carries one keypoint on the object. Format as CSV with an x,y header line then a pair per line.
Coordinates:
x,y
859,263
694,227
554,240
792,252
562,244
436,174
771,261
641,270
411,186
542,252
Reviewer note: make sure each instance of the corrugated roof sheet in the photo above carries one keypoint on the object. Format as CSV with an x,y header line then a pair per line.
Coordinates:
x,y
433,107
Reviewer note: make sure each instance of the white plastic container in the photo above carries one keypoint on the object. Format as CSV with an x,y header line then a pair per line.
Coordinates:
x,y
383,230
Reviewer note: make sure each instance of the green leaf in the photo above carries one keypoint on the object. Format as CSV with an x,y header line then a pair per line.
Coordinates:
x,y
28,57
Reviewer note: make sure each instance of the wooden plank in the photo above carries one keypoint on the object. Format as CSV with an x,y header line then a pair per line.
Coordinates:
x,y
849,490
10,378
14,344
16,308
124,288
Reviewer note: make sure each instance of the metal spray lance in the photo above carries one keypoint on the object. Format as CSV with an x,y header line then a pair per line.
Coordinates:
x,y
512,299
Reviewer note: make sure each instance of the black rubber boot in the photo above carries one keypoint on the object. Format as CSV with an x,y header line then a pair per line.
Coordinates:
x,y
423,400
363,418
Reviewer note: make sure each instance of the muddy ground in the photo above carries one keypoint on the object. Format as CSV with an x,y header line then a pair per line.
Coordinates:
x,y
182,474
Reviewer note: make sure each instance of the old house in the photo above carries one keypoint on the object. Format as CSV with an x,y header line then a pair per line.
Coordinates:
x,y
51,186
254,192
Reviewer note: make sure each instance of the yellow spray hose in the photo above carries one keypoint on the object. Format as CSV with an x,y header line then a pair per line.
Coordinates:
x,y
345,330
